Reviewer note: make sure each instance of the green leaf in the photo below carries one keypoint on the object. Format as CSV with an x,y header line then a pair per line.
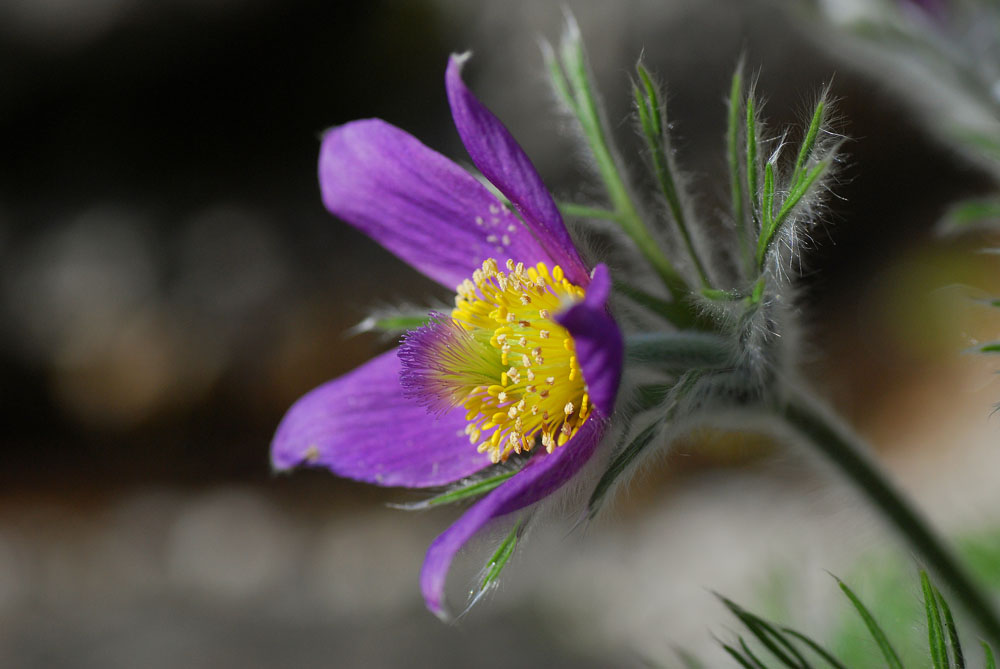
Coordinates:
x,y
891,658
990,347
652,118
558,78
767,206
735,654
391,321
816,648
809,142
793,199
503,553
935,632
951,630
464,492
753,658
991,663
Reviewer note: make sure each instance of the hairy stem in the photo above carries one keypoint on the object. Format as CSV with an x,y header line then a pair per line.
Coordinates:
x,y
814,422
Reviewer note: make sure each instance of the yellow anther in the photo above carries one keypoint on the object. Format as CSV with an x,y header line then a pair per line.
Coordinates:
x,y
501,311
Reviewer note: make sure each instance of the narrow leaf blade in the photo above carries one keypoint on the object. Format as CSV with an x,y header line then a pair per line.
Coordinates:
x,y
891,658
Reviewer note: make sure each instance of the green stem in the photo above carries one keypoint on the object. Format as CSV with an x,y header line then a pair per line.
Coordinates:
x,y
735,178
652,116
812,421
584,105
583,211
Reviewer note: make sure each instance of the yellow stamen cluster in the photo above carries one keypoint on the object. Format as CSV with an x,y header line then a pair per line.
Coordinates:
x,y
540,396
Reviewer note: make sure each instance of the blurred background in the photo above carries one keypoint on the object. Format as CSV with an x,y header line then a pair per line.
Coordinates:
x,y
170,284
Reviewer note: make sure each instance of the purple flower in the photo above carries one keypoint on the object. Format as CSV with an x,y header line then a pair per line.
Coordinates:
x,y
528,361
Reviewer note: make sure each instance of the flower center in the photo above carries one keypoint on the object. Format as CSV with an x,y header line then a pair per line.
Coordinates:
x,y
503,357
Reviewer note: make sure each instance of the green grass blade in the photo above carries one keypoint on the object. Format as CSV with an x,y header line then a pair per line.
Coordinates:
x,y
815,647
952,631
810,139
771,638
749,653
891,658
989,661
735,654
935,633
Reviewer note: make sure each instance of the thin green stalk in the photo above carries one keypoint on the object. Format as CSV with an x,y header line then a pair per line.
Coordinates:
x,y
584,105
751,123
810,139
735,178
651,118
767,208
810,420
798,192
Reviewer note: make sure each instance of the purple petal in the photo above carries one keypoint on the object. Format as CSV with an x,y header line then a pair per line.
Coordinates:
x,y
360,426
417,203
542,476
501,160
599,344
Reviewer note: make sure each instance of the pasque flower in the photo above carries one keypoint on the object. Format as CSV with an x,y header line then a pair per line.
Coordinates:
x,y
525,367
